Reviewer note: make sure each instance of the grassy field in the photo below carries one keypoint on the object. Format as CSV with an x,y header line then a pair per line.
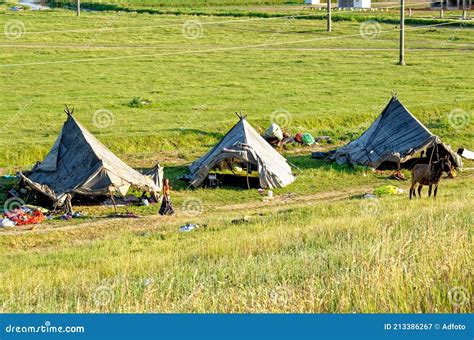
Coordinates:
x,y
317,247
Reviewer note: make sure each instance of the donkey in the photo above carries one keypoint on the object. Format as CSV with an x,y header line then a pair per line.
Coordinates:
x,y
429,174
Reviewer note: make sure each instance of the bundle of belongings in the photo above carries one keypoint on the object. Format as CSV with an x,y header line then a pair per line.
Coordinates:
x,y
22,216
79,164
277,137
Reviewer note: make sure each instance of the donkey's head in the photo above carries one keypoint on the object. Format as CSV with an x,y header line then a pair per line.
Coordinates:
x,y
444,164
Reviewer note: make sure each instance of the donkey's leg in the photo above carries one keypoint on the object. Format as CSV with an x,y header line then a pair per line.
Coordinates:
x,y
419,190
412,189
429,190
436,190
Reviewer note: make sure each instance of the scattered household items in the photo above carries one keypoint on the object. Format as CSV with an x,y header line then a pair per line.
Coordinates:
x,y
166,206
213,181
274,131
79,164
388,190
429,174
369,196
398,175
465,153
25,215
188,227
243,143
307,139
270,194
276,137
5,222
395,137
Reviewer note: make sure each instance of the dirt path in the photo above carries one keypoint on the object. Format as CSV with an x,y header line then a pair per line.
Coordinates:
x,y
278,203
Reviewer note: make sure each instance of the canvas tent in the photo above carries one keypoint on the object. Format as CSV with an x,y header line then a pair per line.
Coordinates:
x,y
396,136
78,163
244,143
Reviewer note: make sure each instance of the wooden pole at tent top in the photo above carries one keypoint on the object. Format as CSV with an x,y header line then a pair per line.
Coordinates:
x,y
78,8
402,33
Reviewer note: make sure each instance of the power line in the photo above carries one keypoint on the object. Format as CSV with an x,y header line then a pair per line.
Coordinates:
x,y
128,28
221,49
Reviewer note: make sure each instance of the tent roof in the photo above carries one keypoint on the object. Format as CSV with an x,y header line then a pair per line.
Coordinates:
x,y
396,135
79,163
241,138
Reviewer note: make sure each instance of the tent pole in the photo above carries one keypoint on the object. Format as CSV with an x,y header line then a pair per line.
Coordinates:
x,y
113,201
248,183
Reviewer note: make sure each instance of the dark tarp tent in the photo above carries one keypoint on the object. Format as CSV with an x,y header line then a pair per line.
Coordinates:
x,y
78,163
244,143
396,136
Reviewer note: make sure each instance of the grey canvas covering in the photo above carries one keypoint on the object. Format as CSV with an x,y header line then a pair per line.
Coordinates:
x,y
244,143
78,163
395,136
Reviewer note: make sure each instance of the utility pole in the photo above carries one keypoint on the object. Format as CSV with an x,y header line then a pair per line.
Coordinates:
x,y
329,17
402,33
78,8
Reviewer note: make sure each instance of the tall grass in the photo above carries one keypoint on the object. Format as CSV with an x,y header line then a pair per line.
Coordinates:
x,y
401,256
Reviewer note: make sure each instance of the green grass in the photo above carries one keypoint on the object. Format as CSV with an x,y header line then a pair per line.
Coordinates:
x,y
303,252
354,255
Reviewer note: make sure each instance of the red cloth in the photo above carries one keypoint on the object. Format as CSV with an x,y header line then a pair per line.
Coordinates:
x,y
21,217
299,137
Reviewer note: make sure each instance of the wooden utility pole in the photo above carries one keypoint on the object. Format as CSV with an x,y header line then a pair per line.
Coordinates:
x,y
402,33
78,8
329,17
